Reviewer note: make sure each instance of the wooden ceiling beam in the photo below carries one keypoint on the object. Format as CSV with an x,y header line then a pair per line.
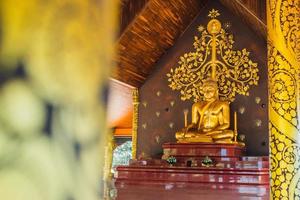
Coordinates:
x,y
129,9
251,12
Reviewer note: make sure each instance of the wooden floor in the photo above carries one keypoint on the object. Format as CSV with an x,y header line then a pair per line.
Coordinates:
x,y
167,191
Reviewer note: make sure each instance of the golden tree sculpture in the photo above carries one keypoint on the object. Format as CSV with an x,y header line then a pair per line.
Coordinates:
x,y
214,58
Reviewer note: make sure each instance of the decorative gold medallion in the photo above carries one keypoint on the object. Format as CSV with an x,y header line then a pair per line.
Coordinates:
x,y
214,26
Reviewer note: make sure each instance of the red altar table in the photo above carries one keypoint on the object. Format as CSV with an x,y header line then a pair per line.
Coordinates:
x,y
197,151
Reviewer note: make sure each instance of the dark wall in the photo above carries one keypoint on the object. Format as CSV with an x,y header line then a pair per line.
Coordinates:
x,y
159,120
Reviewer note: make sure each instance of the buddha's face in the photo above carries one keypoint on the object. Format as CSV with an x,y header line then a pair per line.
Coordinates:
x,y
209,92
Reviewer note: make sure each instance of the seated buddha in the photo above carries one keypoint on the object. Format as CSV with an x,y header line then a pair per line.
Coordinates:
x,y
210,119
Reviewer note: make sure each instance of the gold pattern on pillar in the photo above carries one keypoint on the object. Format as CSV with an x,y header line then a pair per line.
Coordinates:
x,y
283,71
135,96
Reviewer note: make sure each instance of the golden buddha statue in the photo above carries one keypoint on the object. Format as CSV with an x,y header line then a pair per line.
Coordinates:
x,y
210,119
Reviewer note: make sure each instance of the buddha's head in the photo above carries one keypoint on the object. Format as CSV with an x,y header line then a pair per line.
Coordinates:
x,y
210,90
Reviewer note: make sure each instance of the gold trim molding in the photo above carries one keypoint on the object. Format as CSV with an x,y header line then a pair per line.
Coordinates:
x,y
135,98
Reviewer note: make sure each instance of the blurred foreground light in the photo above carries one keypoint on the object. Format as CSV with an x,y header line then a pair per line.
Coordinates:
x,y
20,109
66,48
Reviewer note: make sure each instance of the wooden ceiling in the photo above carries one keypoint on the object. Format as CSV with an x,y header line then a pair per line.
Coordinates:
x,y
149,27
146,38
129,9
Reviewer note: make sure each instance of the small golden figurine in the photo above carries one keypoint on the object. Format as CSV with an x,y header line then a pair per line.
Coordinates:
x,y
210,119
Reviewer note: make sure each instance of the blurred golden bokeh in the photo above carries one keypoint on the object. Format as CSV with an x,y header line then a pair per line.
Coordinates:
x,y
66,48
21,110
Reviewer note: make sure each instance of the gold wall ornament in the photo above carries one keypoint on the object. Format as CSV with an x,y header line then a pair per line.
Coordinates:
x,y
135,97
172,103
158,93
227,25
257,100
242,109
213,13
284,90
258,122
241,137
157,113
144,125
171,125
157,139
145,104
214,58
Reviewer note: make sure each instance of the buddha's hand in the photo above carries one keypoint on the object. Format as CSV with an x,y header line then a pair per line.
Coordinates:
x,y
189,127
213,132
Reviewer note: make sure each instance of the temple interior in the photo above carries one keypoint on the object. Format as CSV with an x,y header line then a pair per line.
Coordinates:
x,y
149,99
